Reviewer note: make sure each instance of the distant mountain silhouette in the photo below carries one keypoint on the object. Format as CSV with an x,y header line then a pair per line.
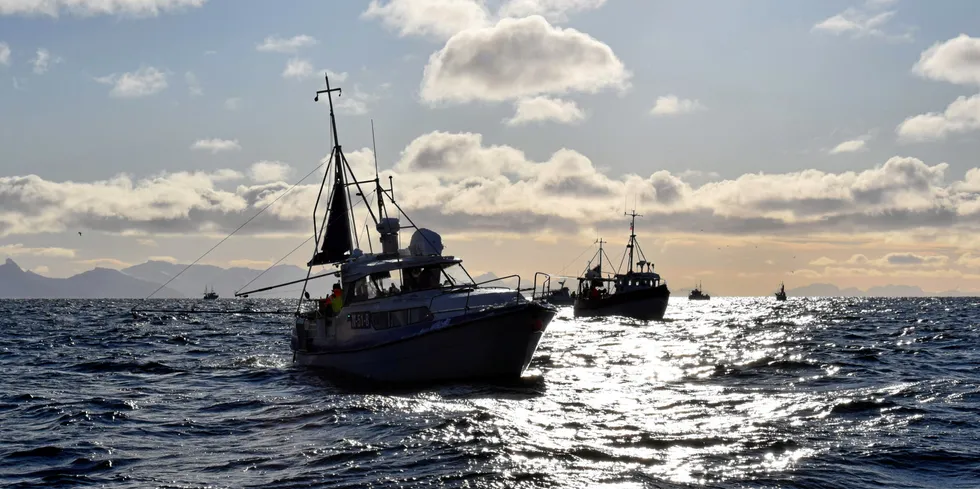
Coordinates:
x,y
99,283
226,281
830,290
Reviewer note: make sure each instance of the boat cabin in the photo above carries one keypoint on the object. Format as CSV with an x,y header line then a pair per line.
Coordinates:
x,y
375,278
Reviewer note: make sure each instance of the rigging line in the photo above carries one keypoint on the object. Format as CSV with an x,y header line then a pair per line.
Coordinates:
x,y
239,228
274,264
574,259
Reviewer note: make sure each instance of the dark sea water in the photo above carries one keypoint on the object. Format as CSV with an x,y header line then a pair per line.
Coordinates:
x,y
849,393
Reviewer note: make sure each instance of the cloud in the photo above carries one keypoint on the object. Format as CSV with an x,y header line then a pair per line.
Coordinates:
x,y
866,21
193,86
440,19
233,103
88,8
146,242
42,61
269,171
216,145
540,109
282,45
851,146
553,10
823,261
167,259
459,182
671,105
969,260
912,259
41,270
143,82
20,250
962,115
956,61
4,54
105,263
520,58
298,69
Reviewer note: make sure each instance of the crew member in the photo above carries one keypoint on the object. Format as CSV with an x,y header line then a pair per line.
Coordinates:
x,y
337,299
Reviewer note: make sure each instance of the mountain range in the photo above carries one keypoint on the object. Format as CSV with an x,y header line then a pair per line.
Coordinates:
x,y
141,280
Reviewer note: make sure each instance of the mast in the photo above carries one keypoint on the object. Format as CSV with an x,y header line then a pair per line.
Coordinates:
x,y
633,215
338,231
600,257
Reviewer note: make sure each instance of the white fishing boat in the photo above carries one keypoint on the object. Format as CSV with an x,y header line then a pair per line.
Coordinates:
x,y
404,314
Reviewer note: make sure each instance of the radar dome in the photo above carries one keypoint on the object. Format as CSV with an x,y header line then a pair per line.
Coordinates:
x,y
425,242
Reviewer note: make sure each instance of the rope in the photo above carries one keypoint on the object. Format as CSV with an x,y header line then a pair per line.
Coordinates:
x,y
274,264
290,189
562,271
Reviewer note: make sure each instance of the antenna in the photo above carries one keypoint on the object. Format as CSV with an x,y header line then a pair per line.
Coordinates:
x,y
374,148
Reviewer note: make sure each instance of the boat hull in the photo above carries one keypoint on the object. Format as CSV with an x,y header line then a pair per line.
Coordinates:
x,y
645,304
494,344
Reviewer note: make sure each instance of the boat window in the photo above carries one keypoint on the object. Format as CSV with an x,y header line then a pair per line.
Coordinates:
x,y
361,290
455,275
407,316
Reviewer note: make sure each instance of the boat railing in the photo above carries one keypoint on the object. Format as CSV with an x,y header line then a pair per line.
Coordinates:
x,y
545,287
469,291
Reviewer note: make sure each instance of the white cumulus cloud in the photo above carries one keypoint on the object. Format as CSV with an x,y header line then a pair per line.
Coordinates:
x,y
216,145
42,61
284,45
439,19
962,115
520,58
540,109
956,61
850,146
269,171
673,105
4,54
140,83
298,68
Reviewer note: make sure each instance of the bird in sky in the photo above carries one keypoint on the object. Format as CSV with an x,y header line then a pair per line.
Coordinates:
x,y
79,233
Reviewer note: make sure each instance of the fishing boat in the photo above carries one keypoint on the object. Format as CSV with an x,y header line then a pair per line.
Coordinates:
x,y
639,293
781,293
698,295
210,295
561,296
404,314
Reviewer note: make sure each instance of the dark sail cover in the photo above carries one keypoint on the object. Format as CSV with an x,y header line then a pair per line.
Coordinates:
x,y
337,239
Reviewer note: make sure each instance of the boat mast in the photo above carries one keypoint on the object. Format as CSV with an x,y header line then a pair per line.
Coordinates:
x,y
633,215
600,257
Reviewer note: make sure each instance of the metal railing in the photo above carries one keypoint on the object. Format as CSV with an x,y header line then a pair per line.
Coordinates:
x,y
545,287
469,291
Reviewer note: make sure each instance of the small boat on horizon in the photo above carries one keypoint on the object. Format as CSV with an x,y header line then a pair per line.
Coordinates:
x,y
210,295
403,314
698,295
638,294
561,296
781,293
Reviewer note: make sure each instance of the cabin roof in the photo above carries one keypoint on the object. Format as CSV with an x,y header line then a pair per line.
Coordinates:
x,y
370,264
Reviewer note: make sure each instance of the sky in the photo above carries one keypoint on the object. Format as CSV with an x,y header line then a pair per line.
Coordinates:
x,y
761,140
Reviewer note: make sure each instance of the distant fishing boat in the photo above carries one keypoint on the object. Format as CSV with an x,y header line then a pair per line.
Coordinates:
x,y
560,297
781,293
404,315
210,295
698,295
638,294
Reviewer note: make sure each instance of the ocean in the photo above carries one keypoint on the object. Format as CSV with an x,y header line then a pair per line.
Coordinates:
x,y
728,393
